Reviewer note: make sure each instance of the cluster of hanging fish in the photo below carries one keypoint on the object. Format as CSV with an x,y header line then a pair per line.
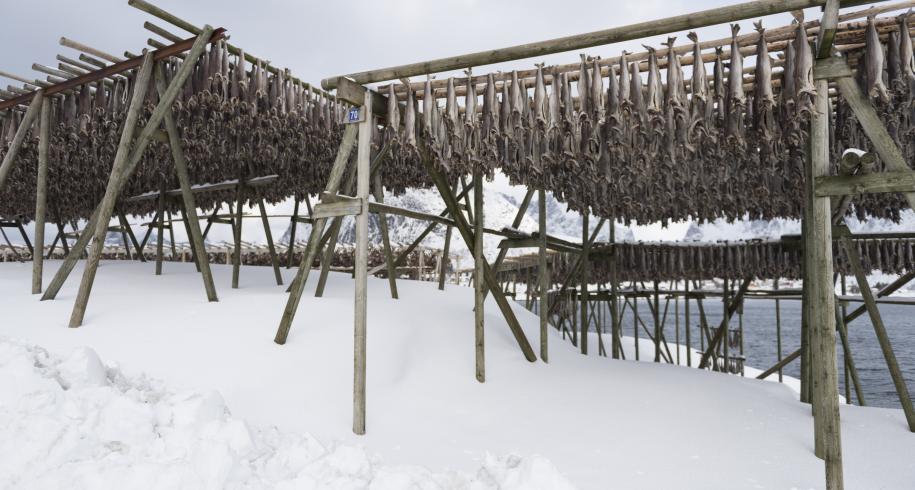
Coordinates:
x,y
668,149
754,259
236,121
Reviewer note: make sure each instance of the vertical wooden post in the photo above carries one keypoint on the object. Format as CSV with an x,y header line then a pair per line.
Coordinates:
x,y
478,281
160,229
107,205
544,280
822,295
677,324
686,326
726,325
657,323
585,265
274,260
190,241
126,162
41,196
13,151
880,330
195,237
615,320
239,207
778,330
290,252
127,230
635,322
849,361
363,162
445,255
386,241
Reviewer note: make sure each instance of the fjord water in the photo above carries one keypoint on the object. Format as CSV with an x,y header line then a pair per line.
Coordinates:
x,y
760,346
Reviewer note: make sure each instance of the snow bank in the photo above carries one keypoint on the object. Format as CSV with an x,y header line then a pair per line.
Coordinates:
x,y
430,424
74,422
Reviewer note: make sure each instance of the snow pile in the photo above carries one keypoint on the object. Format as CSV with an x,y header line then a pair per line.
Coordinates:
x,y
77,423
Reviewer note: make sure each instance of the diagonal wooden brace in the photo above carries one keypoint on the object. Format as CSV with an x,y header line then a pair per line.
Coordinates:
x,y
463,227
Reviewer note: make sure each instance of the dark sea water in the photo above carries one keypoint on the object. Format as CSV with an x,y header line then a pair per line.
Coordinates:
x,y
760,347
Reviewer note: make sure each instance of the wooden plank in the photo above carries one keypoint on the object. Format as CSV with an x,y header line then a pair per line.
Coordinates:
x,y
830,68
41,196
200,189
363,165
347,207
880,330
875,183
685,22
779,365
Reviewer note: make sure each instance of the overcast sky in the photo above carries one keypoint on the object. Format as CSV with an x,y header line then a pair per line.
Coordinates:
x,y
325,38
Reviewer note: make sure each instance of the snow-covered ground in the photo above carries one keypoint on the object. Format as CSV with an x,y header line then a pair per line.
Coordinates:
x,y
189,394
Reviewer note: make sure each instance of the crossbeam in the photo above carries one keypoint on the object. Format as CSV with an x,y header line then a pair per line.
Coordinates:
x,y
685,22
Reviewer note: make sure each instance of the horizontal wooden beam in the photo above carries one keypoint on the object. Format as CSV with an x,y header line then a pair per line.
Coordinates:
x,y
874,183
198,189
730,13
110,70
343,207
833,67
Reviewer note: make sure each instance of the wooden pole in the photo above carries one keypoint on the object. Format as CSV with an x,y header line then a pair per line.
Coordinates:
x,y
363,163
239,207
478,281
850,369
41,196
386,241
290,253
443,267
657,323
544,279
160,230
130,162
677,325
635,323
317,228
880,330
686,326
822,296
13,150
585,265
187,195
274,260
731,13
107,205
778,330
615,333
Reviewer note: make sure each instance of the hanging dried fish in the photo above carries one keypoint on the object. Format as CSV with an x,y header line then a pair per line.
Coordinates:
x,y
874,62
